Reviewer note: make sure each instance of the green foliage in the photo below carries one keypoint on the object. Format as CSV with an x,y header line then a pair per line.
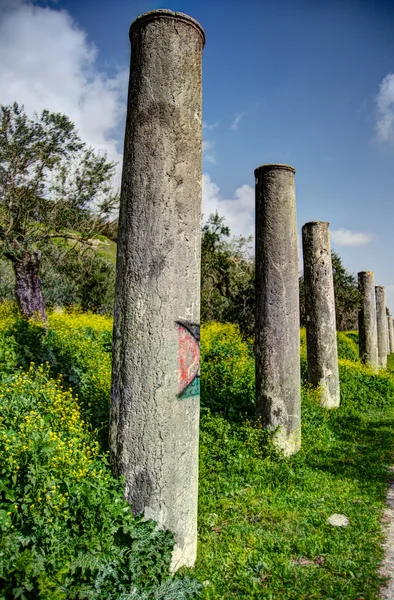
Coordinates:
x,y
346,295
75,276
227,276
48,180
263,520
353,335
76,345
363,390
347,346
51,187
70,276
7,280
263,530
227,370
65,530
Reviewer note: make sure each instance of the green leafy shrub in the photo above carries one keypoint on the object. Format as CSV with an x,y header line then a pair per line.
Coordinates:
x,y
303,356
364,390
65,530
347,347
353,335
227,370
76,345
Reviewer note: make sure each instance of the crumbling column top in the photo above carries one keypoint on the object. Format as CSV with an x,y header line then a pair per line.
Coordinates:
x,y
272,166
316,223
161,13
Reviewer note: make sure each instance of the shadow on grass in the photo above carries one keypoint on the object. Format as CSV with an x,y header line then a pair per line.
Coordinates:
x,y
363,449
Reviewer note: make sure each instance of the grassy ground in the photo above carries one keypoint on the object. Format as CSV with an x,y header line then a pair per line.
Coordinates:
x,y
263,530
263,520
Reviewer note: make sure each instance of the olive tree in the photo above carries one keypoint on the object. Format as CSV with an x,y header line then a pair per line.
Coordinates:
x,y
51,186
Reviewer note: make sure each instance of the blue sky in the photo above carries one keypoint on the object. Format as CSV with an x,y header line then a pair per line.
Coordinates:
x,y
306,83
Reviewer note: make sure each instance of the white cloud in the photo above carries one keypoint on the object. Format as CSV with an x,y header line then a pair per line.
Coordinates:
x,y
385,103
209,126
346,237
239,211
47,62
235,123
207,147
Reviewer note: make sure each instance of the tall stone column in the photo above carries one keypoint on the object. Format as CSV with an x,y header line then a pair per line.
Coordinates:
x,y
277,306
321,333
155,398
367,324
389,333
381,320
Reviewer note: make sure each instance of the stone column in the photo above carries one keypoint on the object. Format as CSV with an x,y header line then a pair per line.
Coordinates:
x,y
367,324
155,398
277,306
389,334
321,332
381,320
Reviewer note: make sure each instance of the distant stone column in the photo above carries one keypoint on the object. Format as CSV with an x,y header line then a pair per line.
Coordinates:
x,y
389,334
154,419
367,323
321,333
277,306
381,320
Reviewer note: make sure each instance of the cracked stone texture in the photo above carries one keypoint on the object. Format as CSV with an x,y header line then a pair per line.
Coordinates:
x,y
321,333
277,306
367,323
391,333
381,320
153,433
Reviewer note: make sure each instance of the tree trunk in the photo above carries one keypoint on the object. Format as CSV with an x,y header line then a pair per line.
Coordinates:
x,y
28,285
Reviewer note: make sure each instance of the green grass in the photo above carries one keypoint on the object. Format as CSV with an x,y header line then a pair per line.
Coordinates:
x,y
263,530
263,520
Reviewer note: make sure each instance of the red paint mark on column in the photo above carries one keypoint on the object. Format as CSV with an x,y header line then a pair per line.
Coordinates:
x,y
188,354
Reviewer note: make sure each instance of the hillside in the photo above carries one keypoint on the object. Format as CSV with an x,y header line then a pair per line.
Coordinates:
x,y
263,520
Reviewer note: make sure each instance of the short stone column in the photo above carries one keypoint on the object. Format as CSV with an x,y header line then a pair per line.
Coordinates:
x,y
389,333
367,323
321,333
154,420
381,320
277,306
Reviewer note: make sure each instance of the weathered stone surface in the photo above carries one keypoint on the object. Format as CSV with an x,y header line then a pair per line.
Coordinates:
x,y
367,324
381,322
391,334
155,389
277,306
321,331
